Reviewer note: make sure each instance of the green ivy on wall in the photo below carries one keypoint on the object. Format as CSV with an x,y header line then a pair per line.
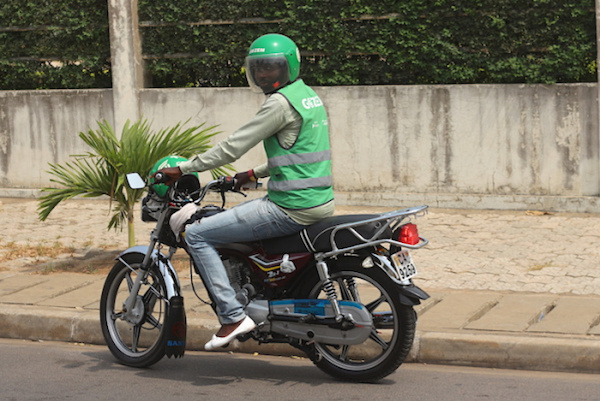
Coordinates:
x,y
65,43
49,44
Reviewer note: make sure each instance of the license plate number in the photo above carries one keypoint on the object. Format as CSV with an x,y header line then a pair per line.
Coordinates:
x,y
405,267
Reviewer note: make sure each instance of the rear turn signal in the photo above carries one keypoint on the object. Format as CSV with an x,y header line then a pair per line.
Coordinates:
x,y
409,234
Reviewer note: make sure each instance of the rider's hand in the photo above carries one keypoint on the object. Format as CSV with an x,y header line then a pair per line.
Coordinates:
x,y
174,173
242,179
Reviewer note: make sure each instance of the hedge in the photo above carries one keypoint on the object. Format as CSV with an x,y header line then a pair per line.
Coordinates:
x,y
64,43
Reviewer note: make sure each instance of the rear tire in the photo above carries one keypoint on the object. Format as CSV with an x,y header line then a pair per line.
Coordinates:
x,y
140,343
393,332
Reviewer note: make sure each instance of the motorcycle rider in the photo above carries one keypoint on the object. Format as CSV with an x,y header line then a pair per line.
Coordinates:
x,y
292,124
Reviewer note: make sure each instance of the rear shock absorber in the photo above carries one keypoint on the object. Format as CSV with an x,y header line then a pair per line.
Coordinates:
x,y
351,286
329,290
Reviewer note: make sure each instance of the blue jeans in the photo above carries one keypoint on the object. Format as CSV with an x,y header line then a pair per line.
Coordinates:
x,y
249,221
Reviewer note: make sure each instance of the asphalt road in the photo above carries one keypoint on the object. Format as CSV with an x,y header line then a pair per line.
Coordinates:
x,y
59,371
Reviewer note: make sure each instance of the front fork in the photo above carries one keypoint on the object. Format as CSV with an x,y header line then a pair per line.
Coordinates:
x,y
140,278
151,256
130,302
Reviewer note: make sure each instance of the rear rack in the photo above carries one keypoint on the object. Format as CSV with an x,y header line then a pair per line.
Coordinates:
x,y
391,220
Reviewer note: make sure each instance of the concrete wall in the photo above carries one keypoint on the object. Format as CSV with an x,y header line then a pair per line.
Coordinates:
x,y
460,146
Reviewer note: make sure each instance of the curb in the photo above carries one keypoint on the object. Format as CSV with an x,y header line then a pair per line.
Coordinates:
x,y
485,349
501,351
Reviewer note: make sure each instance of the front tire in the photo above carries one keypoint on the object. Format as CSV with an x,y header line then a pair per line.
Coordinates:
x,y
393,331
138,340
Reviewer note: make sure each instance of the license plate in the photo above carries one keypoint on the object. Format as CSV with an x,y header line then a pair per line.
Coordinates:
x,y
405,267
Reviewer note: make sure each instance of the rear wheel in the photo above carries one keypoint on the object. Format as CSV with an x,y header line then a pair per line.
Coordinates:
x,y
136,338
393,329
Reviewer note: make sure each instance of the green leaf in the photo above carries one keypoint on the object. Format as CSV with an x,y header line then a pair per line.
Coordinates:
x,y
102,170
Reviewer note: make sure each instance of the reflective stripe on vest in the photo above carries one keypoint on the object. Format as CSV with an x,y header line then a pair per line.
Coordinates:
x,y
302,158
304,183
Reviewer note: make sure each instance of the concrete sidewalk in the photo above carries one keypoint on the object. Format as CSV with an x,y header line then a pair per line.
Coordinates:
x,y
509,289
474,328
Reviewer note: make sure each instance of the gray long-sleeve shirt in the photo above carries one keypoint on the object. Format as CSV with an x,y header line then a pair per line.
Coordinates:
x,y
275,117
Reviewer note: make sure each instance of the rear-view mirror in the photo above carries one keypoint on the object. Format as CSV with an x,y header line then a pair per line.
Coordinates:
x,y
135,181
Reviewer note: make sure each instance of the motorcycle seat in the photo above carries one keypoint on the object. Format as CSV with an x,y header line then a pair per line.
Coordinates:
x,y
317,237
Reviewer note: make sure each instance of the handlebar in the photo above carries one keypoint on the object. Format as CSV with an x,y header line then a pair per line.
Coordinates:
x,y
221,184
224,184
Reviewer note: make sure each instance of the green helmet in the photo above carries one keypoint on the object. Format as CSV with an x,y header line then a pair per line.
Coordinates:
x,y
168,161
273,61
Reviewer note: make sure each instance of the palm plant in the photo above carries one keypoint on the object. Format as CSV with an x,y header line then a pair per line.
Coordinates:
x,y
102,170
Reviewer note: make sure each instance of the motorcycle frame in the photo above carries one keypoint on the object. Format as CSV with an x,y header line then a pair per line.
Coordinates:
x,y
391,220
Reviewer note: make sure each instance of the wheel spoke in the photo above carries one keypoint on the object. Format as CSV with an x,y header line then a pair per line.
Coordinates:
x,y
137,329
150,297
129,280
371,306
344,354
378,340
152,291
153,321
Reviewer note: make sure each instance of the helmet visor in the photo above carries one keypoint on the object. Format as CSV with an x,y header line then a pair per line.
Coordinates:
x,y
267,74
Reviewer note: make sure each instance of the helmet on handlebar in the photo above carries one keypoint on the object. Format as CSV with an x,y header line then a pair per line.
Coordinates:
x,y
273,61
168,161
188,186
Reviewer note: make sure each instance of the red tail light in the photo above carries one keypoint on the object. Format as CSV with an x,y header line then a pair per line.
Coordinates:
x,y
409,234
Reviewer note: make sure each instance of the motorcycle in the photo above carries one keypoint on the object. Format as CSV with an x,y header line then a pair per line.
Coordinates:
x,y
341,290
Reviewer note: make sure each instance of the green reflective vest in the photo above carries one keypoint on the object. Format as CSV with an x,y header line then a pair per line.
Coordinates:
x,y
300,177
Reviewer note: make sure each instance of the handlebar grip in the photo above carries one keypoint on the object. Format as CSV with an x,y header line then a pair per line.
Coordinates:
x,y
227,183
160,178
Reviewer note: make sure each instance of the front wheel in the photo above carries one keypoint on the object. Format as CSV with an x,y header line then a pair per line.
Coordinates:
x,y
393,331
137,337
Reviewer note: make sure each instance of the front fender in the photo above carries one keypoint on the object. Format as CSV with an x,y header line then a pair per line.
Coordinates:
x,y
164,265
